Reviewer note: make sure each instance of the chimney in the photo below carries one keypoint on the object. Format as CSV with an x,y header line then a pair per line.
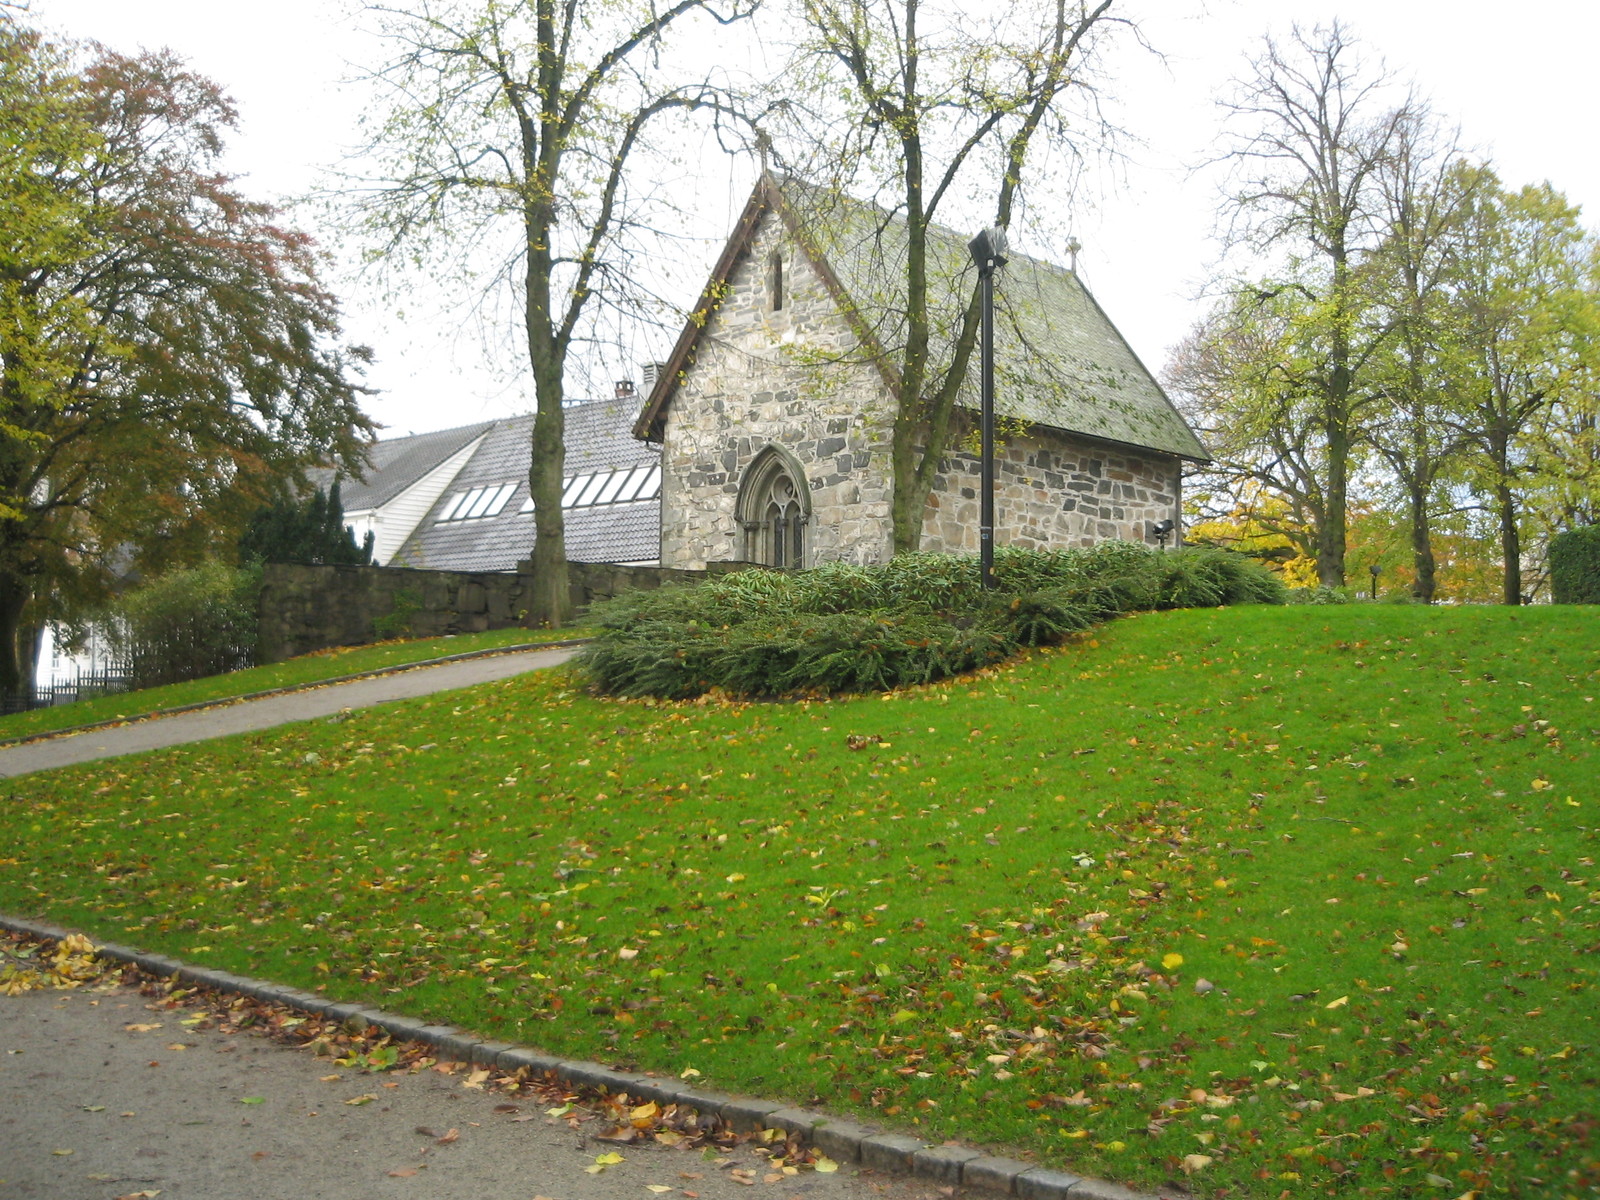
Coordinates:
x,y
652,372
624,389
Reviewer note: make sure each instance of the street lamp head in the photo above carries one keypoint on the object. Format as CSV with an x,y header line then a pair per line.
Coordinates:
x,y
989,248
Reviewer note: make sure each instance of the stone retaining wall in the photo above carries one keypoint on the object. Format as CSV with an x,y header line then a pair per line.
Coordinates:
x,y
307,608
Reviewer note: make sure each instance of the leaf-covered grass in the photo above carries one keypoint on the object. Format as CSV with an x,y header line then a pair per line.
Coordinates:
x,y
1302,900
915,619
308,668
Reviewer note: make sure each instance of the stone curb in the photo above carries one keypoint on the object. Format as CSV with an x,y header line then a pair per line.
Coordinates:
x,y
228,701
842,1140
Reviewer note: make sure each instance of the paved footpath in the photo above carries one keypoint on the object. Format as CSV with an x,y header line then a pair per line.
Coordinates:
x,y
103,1096
247,716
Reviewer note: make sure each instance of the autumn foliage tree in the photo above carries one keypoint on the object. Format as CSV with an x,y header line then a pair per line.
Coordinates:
x,y
167,356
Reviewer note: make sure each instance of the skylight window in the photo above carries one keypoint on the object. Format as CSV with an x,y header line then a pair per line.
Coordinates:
x,y
597,488
477,502
591,493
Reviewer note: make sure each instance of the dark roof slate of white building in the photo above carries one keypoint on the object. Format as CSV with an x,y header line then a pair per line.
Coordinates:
x,y
395,464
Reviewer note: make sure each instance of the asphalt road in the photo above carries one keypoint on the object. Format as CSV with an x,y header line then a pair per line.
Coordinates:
x,y
105,1095
250,715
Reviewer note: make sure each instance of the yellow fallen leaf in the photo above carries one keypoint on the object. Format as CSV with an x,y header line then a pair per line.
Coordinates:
x,y
142,1028
1171,961
659,1188
1339,1003
824,1164
476,1080
1195,1162
356,1101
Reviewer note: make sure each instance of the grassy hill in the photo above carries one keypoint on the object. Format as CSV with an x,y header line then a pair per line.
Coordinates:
x,y
1295,900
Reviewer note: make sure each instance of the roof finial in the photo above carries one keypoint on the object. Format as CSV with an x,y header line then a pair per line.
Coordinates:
x,y
763,147
1073,247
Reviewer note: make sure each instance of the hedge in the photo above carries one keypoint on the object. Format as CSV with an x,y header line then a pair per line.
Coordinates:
x,y
920,617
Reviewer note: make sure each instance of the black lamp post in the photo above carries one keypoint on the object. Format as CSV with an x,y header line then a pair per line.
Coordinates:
x,y
1163,530
988,250
1373,594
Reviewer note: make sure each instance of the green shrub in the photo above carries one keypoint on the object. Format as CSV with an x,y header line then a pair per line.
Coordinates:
x,y
186,624
920,617
1575,566
1317,595
397,622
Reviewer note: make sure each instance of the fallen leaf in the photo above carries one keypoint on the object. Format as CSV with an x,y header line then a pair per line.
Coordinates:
x,y
1171,961
658,1188
477,1079
252,1099
449,1137
142,1028
824,1164
402,1172
147,1194
1339,1003
1195,1162
355,1101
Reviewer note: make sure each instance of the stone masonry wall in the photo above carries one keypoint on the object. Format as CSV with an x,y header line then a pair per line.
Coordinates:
x,y
764,377
1053,490
308,608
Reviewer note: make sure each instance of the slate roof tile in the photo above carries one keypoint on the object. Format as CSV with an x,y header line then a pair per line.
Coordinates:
x,y
598,437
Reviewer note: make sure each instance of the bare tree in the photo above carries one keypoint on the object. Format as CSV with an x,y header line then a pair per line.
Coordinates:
x,y
1427,190
1315,131
526,114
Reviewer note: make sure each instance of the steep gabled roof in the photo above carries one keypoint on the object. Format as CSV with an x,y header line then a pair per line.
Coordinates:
x,y
1060,362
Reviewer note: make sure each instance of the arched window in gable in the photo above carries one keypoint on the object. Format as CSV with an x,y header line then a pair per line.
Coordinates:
x,y
774,510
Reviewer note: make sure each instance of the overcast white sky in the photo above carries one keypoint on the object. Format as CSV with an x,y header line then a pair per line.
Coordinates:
x,y
1518,80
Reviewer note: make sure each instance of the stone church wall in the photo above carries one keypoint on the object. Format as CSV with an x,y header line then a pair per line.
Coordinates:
x,y
1052,490
785,378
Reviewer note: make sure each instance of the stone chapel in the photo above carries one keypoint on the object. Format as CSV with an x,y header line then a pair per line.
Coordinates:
x,y
774,412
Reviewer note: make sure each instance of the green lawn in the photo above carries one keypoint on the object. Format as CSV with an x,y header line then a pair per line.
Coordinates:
x,y
308,668
1301,901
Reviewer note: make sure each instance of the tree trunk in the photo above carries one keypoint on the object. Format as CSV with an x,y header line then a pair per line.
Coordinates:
x,y
550,600
910,500
1424,586
1331,532
16,664
1510,542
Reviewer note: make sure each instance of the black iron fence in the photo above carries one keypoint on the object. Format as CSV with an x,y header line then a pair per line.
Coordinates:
x,y
81,687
